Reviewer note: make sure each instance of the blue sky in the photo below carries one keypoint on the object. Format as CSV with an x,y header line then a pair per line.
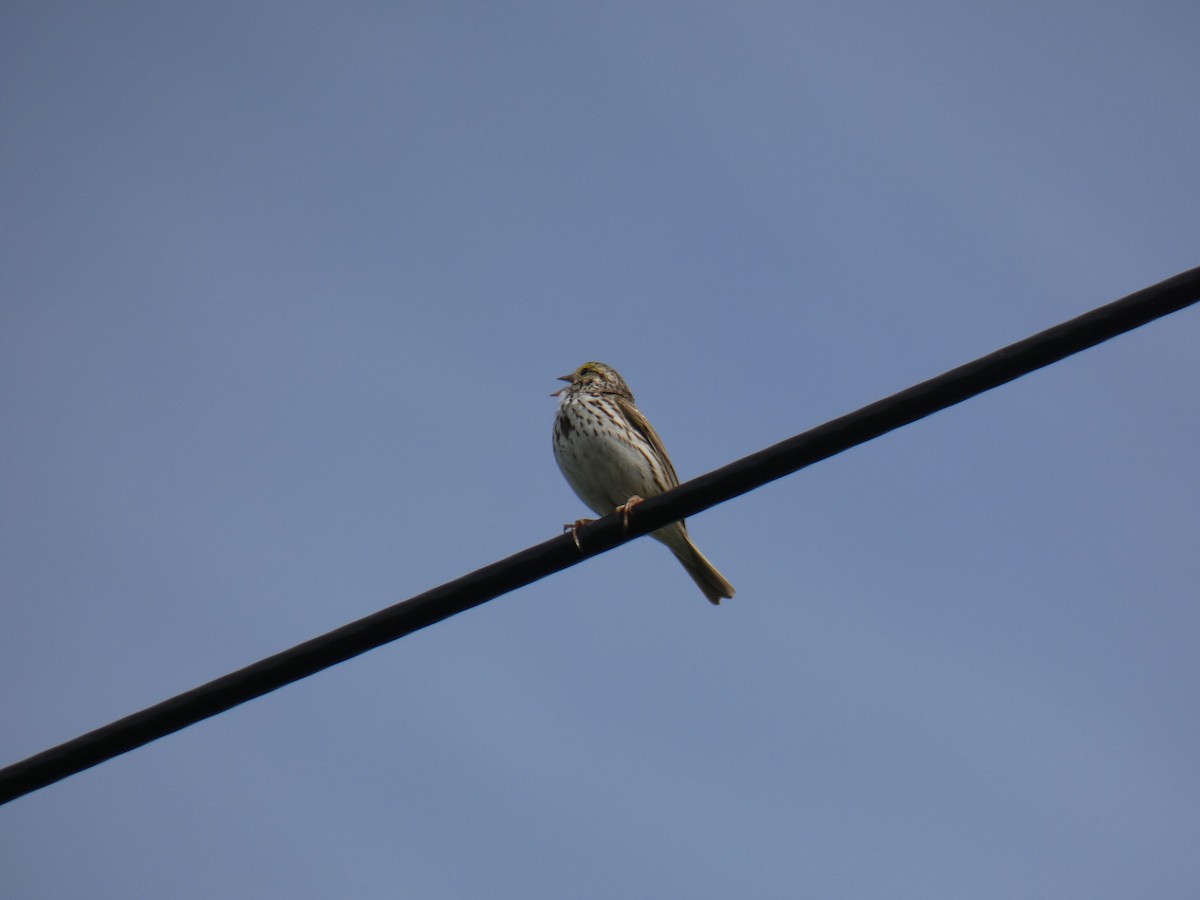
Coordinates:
x,y
285,288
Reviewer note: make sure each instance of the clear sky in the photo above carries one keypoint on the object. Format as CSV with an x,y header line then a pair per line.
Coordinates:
x,y
284,288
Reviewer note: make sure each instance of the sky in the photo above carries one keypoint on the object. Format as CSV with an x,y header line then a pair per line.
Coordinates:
x,y
284,289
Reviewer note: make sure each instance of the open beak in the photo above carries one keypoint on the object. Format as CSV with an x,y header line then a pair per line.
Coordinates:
x,y
568,378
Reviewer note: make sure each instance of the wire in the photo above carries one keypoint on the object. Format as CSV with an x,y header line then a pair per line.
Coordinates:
x,y
559,553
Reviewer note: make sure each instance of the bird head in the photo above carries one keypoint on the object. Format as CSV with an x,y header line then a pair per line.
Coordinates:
x,y
594,377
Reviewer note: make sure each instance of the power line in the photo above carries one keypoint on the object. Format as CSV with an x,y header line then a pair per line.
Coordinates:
x,y
559,553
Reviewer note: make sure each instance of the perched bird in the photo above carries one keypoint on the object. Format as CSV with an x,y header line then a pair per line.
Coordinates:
x,y
613,459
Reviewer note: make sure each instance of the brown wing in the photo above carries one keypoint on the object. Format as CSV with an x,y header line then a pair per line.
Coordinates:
x,y
642,426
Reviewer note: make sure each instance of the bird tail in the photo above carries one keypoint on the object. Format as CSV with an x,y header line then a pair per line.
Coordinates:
x,y
711,582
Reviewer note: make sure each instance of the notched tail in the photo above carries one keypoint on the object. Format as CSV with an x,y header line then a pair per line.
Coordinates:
x,y
711,582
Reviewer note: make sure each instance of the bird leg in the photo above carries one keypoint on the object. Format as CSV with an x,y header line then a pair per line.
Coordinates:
x,y
627,508
574,527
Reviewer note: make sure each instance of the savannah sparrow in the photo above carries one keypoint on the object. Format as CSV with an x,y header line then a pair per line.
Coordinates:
x,y
613,459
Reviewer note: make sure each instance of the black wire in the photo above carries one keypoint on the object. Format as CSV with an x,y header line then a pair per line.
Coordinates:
x,y
554,555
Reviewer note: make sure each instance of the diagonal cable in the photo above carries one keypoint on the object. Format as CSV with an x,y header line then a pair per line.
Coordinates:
x,y
551,556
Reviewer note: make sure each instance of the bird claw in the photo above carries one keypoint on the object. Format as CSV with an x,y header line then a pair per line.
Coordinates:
x,y
624,509
627,508
574,527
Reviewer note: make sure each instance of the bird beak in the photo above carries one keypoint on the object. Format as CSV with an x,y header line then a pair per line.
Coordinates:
x,y
568,378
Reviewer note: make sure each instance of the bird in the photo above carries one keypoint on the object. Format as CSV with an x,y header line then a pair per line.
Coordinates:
x,y
613,459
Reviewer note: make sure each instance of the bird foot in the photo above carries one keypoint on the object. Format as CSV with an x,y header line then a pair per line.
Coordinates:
x,y
627,508
574,527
